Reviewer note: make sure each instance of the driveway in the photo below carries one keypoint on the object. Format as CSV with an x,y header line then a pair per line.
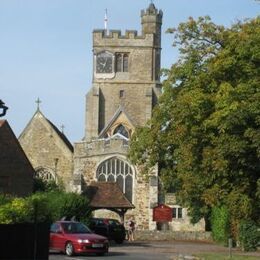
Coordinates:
x,y
145,250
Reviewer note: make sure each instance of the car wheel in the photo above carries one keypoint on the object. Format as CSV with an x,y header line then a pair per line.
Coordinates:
x,y
69,250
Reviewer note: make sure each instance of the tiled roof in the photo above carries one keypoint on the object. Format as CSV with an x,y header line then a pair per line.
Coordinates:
x,y
1,122
14,165
107,195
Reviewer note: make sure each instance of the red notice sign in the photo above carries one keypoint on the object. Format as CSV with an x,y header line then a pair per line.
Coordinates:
x,y
162,213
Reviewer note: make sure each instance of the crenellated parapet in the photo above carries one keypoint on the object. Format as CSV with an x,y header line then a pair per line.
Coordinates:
x,y
152,10
117,34
101,147
113,38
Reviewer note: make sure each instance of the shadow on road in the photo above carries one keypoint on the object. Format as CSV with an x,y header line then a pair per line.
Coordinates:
x,y
130,244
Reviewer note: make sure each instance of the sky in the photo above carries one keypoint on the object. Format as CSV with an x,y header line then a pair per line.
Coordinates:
x,y
46,49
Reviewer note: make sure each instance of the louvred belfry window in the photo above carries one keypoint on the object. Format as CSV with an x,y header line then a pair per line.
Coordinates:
x,y
122,62
118,171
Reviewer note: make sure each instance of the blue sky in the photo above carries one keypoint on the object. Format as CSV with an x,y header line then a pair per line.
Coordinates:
x,y
46,49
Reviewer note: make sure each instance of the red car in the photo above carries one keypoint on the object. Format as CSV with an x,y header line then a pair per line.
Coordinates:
x,y
73,237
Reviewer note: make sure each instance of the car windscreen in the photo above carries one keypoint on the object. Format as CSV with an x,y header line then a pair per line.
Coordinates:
x,y
75,228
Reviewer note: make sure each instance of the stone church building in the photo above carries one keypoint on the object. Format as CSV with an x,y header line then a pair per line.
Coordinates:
x,y
125,88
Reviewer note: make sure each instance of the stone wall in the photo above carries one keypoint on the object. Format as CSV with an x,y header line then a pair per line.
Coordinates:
x,y
147,235
89,155
45,149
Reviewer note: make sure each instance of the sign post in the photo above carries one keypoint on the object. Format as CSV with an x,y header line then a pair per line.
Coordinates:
x,y
162,214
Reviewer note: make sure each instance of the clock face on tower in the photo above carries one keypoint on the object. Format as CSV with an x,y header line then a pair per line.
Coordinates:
x,y
104,65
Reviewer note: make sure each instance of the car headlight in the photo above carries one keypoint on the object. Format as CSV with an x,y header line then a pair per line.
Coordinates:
x,y
83,240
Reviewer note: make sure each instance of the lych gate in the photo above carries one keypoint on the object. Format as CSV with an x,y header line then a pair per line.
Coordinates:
x,y
108,195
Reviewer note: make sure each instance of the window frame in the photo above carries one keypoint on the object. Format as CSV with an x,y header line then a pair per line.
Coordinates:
x,y
177,213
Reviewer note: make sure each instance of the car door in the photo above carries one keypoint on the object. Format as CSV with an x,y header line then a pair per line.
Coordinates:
x,y
56,237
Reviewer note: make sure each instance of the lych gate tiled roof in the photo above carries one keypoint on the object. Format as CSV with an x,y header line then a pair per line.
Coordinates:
x,y
107,195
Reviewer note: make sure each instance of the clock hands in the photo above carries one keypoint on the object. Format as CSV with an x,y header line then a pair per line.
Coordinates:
x,y
104,64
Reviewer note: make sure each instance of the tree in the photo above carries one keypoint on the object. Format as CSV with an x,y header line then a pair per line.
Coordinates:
x,y
69,205
204,133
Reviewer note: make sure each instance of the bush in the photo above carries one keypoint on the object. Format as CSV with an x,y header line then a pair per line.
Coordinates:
x,y
5,199
68,205
44,207
40,185
220,224
249,235
16,211
41,210
75,205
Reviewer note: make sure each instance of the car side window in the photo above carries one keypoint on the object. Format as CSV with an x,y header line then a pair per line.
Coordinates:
x,y
55,228
100,223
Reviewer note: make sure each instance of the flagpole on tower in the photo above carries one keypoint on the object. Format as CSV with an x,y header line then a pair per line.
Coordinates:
x,y
105,22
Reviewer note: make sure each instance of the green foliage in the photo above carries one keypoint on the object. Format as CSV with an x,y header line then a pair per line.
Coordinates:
x,y
204,133
68,205
16,211
41,185
44,206
4,199
249,235
41,208
220,224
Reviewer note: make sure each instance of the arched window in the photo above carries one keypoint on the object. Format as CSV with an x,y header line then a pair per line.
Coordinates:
x,y
121,130
45,174
118,171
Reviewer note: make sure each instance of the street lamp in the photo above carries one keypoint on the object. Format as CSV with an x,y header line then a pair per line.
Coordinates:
x,y
3,107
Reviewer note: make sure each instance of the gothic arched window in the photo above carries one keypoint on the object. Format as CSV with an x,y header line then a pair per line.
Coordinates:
x,y
121,130
118,171
45,174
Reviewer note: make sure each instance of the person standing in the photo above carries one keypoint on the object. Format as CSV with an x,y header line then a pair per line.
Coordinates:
x,y
131,229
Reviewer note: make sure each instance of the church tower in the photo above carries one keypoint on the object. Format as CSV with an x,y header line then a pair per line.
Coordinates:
x,y
125,75
125,88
